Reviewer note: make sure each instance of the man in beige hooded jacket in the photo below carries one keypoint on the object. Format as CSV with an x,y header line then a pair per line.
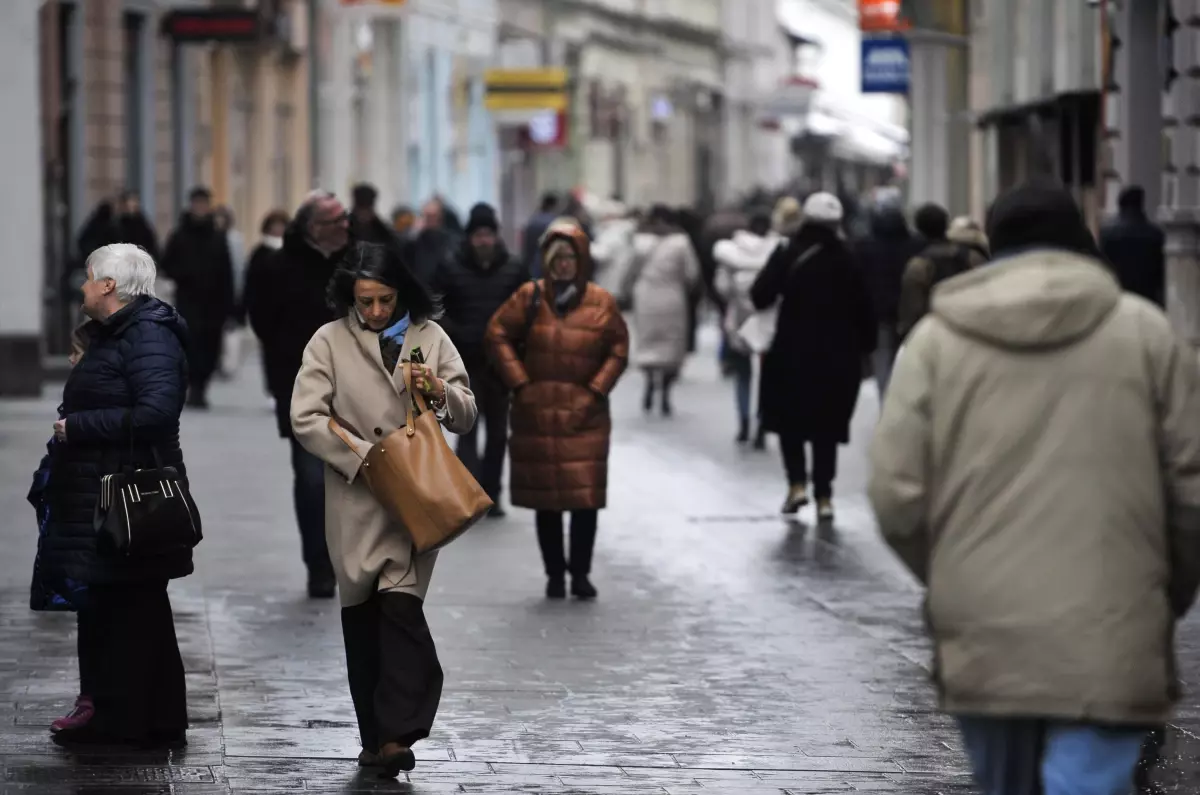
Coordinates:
x,y
1037,467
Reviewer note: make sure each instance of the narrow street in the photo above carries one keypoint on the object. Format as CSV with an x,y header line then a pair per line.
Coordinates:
x,y
729,651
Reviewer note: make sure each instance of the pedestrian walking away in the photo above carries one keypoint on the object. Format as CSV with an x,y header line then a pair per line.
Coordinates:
x,y
660,284
739,261
883,257
560,344
940,259
472,285
286,303
813,371
351,373
1039,420
120,409
1135,247
197,258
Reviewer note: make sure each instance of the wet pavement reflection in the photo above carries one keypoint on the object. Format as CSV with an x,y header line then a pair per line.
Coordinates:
x,y
729,650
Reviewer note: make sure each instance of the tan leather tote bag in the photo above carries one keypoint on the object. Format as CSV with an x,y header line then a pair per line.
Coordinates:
x,y
419,480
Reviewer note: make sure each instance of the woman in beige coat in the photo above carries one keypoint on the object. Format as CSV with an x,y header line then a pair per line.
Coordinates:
x,y
350,371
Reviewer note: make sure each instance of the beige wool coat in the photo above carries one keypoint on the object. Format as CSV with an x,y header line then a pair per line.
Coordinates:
x,y
342,374
1037,466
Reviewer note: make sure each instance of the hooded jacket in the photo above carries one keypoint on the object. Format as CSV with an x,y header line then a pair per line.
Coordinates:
x,y
562,356
1037,465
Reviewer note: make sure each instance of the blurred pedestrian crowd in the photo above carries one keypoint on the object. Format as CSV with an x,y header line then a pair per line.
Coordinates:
x,y
1036,464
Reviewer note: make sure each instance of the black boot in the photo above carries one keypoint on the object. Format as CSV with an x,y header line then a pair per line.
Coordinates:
x,y
743,431
550,540
648,396
668,382
760,439
583,542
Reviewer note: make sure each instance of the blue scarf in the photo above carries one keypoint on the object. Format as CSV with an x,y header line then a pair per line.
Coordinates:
x,y
391,342
397,330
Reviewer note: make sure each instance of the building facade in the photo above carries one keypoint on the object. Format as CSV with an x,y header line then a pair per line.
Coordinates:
x,y
1035,95
401,100
843,140
757,61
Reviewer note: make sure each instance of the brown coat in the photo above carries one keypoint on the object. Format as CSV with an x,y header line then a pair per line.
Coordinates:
x,y
560,418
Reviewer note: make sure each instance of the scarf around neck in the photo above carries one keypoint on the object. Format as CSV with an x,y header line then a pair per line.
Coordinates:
x,y
391,339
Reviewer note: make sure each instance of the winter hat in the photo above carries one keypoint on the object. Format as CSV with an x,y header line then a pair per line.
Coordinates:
x,y
823,208
787,216
1042,214
483,216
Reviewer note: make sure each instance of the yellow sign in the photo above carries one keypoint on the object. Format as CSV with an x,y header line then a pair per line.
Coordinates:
x,y
526,89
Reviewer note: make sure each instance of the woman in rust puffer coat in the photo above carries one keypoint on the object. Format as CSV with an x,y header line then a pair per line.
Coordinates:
x,y
560,344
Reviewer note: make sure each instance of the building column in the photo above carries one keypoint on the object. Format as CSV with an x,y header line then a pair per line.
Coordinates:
x,y
929,134
382,96
1180,213
1137,103
337,87
21,226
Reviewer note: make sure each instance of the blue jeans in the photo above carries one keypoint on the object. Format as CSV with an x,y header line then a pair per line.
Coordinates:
x,y
743,375
308,492
1013,756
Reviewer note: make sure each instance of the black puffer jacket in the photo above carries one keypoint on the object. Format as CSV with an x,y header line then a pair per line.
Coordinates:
x,y
471,294
122,400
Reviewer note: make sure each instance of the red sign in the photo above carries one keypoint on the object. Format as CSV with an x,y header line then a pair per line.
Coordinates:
x,y
215,24
881,16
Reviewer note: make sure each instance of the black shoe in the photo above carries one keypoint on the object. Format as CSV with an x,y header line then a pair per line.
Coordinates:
x,y
556,588
582,588
743,432
396,758
496,512
322,586
760,440
86,735
648,401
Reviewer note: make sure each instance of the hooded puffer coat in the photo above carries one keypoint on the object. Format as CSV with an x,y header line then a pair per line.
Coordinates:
x,y
574,352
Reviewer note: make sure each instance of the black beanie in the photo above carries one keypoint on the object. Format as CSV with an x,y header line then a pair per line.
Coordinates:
x,y
1039,213
483,216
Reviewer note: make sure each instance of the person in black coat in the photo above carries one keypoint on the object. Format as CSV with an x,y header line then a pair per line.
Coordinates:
x,y
198,260
365,224
883,256
1135,248
119,221
472,286
285,306
813,369
121,407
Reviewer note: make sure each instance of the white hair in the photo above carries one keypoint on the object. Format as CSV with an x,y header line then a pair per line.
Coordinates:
x,y
130,266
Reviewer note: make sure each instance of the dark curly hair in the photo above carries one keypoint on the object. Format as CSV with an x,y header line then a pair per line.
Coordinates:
x,y
383,264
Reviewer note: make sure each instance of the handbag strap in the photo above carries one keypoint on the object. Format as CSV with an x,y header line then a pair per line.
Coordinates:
x,y
341,433
416,397
128,423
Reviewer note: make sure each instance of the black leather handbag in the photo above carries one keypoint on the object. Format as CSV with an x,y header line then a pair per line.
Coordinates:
x,y
144,513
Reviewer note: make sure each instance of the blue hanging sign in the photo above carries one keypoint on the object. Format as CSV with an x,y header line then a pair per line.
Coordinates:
x,y
885,65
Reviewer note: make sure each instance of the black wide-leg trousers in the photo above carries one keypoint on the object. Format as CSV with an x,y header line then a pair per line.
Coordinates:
x,y
395,676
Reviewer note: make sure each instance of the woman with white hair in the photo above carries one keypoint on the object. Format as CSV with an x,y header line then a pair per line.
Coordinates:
x,y
120,409
812,372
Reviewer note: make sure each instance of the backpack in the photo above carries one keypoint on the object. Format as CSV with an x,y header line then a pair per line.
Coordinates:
x,y
947,263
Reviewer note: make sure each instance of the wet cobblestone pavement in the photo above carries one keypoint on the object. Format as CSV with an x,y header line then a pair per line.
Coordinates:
x,y
728,652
